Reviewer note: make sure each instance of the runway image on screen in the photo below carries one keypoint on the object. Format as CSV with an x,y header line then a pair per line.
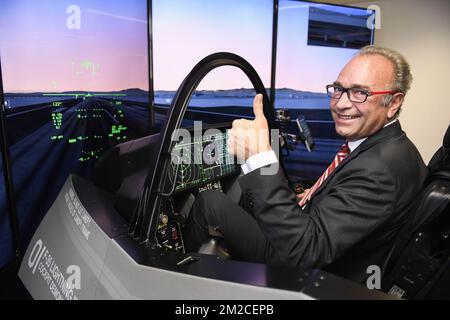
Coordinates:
x,y
75,77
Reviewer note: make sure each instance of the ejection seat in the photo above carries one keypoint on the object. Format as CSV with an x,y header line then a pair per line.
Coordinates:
x,y
419,263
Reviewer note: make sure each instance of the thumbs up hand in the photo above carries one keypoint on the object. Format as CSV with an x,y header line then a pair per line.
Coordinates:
x,y
249,137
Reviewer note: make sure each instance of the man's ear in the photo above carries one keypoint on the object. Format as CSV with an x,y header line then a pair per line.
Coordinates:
x,y
395,104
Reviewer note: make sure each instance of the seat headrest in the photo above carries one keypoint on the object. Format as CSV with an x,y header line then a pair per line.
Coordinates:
x,y
439,164
446,142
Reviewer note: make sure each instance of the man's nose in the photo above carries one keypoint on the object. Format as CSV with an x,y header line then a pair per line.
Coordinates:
x,y
343,102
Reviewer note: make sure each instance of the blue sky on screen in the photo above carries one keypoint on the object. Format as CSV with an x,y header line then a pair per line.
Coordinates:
x,y
184,32
187,31
41,54
109,51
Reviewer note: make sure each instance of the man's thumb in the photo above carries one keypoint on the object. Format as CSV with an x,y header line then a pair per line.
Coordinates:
x,y
258,109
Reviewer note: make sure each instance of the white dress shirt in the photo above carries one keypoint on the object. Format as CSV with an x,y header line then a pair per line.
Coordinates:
x,y
262,159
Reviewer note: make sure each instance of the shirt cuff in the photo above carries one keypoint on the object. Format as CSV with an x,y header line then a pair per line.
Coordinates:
x,y
259,160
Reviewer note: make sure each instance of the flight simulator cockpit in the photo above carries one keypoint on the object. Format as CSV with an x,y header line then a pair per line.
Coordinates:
x,y
125,124
138,252
105,187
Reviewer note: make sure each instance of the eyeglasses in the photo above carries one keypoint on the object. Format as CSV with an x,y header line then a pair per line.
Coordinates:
x,y
354,94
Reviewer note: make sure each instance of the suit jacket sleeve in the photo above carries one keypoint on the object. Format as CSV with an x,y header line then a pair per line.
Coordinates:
x,y
354,204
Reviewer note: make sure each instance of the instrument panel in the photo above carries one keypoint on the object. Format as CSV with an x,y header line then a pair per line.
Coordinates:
x,y
200,161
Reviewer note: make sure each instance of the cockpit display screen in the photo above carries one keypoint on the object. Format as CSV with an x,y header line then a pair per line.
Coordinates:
x,y
201,159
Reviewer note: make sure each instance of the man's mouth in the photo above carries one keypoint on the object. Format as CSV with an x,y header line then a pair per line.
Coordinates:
x,y
346,117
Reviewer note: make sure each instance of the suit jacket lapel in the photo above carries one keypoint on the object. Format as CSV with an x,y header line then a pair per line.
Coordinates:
x,y
382,135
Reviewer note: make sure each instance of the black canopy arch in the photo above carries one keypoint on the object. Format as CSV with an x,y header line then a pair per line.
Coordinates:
x,y
144,221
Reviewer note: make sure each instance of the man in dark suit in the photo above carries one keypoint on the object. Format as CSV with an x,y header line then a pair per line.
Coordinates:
x,y
348,220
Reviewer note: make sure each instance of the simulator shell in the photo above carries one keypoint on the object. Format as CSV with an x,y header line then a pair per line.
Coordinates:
x,y
86,249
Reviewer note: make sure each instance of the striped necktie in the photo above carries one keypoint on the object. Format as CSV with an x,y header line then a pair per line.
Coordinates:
x,y
342,153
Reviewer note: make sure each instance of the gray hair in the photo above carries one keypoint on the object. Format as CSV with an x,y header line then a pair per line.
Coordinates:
x,y
402,71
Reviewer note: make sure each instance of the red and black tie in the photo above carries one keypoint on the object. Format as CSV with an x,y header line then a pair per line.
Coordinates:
x,y
342,153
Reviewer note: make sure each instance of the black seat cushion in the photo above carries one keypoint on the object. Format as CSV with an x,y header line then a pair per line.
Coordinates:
x,y
421,252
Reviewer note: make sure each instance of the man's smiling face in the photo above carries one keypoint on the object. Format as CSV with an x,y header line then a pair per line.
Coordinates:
x,y
359,120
